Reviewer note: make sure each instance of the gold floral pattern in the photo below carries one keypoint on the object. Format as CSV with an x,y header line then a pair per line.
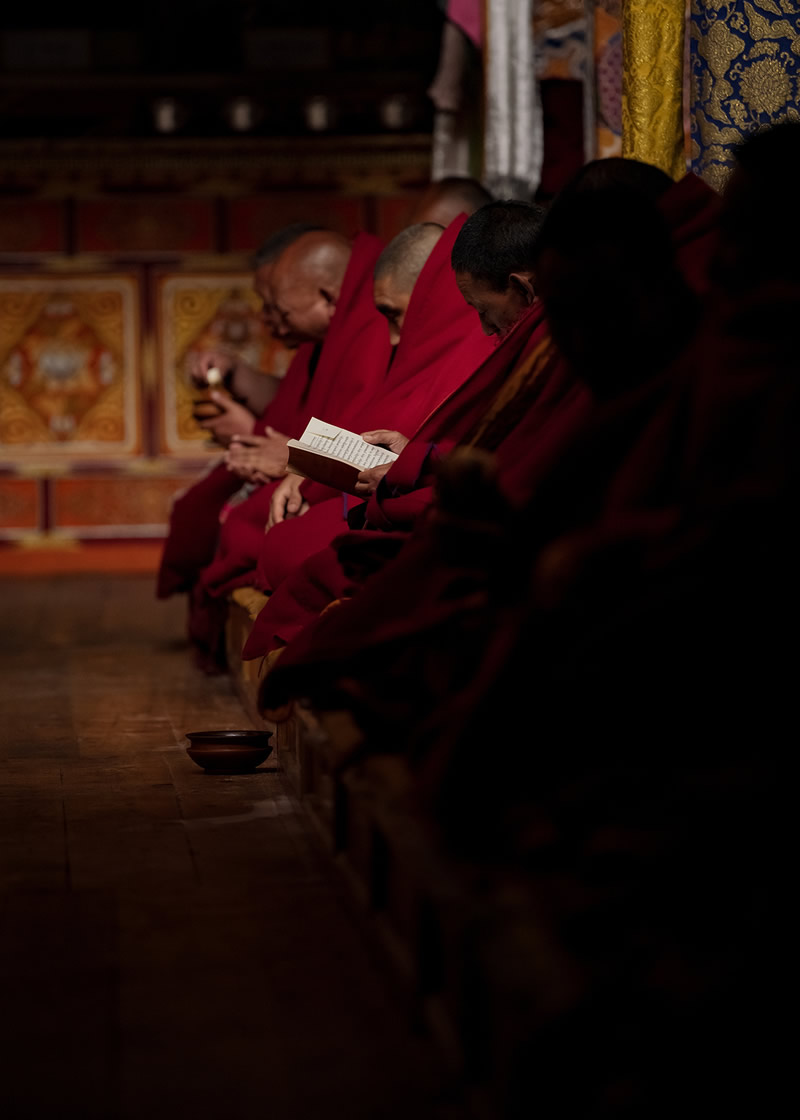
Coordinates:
x,y
745,74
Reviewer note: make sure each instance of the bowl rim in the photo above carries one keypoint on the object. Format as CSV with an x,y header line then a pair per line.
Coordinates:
x,y
240,737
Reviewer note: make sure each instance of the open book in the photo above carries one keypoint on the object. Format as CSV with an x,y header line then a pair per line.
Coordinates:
x,y
334,456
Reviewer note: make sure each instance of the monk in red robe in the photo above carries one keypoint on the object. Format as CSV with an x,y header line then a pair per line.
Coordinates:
x,y
321,291
194,519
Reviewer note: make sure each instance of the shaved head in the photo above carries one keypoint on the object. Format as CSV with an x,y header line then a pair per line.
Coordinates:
x,y
445,199
306,282
397,270
405,255
264,265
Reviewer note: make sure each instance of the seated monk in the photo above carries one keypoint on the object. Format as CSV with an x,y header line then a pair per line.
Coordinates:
x,y
439,343
446,198
194,518
246,385
319,292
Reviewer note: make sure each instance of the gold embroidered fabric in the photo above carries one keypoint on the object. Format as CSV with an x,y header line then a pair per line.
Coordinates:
x,y
745,75
652,83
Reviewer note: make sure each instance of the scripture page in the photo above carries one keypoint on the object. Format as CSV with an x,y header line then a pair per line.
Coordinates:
x,y
342,444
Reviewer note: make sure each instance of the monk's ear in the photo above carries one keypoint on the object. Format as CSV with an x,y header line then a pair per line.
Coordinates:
x,y
522,282
328,296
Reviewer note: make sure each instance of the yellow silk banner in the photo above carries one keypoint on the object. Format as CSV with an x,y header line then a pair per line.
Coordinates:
x,y
652,83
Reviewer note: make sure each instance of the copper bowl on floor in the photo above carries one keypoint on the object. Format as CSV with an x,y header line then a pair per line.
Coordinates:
x,y
229,752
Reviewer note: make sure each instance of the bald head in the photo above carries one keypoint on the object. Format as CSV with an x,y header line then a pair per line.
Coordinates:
x,y
266,258
445,199
397,270
306,283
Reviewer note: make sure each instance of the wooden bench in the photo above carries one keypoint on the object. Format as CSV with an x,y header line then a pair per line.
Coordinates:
x,y
243,606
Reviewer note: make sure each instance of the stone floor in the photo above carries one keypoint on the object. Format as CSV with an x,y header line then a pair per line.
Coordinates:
x,y
170,942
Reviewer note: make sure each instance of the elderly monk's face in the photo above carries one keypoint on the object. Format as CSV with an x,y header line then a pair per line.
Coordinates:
x,y
392,302
497,311
303,310
262,287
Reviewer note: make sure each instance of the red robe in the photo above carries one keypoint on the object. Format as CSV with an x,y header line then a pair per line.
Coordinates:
x,y
692,209
194,519
441,345
351,367
526,456
535,417
314,382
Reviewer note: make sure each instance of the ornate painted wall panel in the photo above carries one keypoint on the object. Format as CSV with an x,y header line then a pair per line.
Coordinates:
x,y
69,367
202,311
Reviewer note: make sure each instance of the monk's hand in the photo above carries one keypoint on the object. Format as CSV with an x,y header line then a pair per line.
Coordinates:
x,y
261,458
367,481
234,420
394,441
225,362
287,501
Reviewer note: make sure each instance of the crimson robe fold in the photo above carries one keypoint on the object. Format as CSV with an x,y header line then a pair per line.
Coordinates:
x,y
520,405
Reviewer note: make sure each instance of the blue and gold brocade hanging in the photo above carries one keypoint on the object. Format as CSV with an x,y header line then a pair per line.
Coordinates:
x,y
745,74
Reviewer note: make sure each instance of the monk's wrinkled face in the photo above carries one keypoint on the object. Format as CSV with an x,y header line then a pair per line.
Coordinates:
x,y
392,301
263,289
303,310
498,311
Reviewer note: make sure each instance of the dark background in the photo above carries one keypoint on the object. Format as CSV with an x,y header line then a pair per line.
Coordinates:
x,y
95,72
